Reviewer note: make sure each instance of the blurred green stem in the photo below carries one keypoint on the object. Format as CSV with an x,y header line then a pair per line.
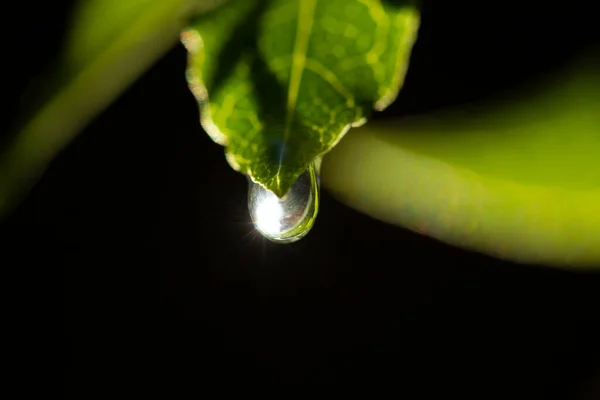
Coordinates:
x,y
518,180
112,43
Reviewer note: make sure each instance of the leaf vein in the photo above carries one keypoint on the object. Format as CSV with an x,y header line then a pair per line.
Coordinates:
x,y
303,31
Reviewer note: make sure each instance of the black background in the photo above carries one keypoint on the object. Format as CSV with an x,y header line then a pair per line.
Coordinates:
x,y
137,243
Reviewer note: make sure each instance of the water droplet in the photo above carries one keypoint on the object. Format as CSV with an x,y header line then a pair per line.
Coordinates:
x,y
286,219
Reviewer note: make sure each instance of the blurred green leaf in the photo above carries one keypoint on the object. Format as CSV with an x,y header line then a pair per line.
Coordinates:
x,y
280,81
520,180
110,44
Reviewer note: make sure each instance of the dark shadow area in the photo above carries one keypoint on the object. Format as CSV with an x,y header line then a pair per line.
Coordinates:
x,y
270,95
241,42
402,3
470,51
29,45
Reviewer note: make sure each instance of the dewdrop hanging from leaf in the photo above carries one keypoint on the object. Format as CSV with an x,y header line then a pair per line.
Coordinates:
x,y
289,218
279,82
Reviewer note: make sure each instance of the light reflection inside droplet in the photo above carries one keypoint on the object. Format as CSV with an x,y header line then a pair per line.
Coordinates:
x,y
268,215
289,218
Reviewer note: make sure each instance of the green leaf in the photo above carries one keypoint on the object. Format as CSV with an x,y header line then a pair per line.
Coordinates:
x,y
279,82
520,180
110,44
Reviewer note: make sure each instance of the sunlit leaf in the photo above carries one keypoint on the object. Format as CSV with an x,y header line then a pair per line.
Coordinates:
x,y
281,81
521,182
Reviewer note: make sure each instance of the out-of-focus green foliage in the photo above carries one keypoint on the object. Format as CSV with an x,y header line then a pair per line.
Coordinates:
x,y
285,79
111,43
521,181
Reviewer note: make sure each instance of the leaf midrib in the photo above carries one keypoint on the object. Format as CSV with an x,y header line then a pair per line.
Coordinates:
x,y
306,13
